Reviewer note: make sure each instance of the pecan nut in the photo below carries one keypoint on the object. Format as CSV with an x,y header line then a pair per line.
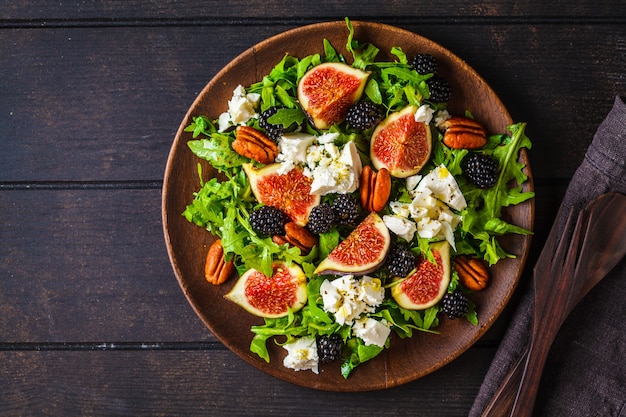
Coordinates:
x,y
473,272
296,235
463,133
375,188
255,145
216,269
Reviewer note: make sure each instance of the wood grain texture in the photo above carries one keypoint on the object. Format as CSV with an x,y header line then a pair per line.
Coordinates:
x,y
300,10
208,383
88,266
103,104
91,95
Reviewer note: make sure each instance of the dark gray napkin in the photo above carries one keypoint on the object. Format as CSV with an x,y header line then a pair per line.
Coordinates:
x,y
585,374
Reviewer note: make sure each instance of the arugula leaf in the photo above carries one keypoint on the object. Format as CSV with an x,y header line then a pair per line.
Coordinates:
x,y
359,353
482,218
201,125
364,54
218,152
287,117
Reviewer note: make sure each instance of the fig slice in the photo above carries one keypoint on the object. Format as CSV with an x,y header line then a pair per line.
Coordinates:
x,y
361,252
273,296
401,144
290,192
426,285
326,91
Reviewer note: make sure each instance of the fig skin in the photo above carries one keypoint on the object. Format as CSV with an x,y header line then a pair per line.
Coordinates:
x,y
374,226
296,202
326,91
405,151
298,281
404,300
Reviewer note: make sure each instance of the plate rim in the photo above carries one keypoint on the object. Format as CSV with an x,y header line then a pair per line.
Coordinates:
x,y
277,370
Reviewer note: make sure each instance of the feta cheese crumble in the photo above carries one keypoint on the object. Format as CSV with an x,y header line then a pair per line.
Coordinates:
x,y
371,331
241,108
401,226
441,184
333,170
429,212
424,114
348,297
442,116
302,355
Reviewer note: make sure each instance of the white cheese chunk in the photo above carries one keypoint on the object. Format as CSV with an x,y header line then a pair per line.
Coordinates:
x,y
241,108
412,182
348,297
334,170
371,292
441,183
401,226
424,114
372,332
442,116
302,355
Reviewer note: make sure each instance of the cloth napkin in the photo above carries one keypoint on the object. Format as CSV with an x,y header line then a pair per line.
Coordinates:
x,y
585,374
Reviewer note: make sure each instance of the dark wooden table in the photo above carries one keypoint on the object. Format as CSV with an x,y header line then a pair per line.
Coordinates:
x,y
92,320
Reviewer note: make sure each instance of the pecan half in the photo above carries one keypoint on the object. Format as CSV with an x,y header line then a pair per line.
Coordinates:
x,y
298,236
464,133
375,188
254,144
473,272
216,269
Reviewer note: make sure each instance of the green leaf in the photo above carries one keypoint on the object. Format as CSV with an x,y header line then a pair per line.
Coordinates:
x,y
287,117
217,151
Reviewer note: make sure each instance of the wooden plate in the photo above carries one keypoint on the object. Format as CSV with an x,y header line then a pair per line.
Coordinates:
x,y
405,360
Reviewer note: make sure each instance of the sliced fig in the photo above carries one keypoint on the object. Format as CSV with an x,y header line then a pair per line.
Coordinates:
x,y
290,192
401,144
363,251
428,283
327,90
272,296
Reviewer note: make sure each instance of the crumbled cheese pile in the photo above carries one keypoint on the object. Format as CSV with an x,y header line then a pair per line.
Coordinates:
x,y
350,299
241,108
429,213
333,169
302,354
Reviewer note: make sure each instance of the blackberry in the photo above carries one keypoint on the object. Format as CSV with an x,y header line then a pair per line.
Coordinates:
x,y
480,170
424,64
272,130
455,304
346,209
268,221
321,218
364,115
329,348
439,88
400,261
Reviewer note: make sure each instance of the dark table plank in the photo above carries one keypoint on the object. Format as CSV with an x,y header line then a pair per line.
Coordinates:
x,y
91,94
103,104
210,382
121,11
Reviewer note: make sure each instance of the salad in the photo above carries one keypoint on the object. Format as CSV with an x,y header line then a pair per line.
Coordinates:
x,y
431,218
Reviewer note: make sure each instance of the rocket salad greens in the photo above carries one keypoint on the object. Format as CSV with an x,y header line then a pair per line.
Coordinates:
x,y
223,207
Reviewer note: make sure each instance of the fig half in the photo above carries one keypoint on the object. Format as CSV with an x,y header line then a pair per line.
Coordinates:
x,y
363,251
273,296
401,144
426,285
327,90
290,192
